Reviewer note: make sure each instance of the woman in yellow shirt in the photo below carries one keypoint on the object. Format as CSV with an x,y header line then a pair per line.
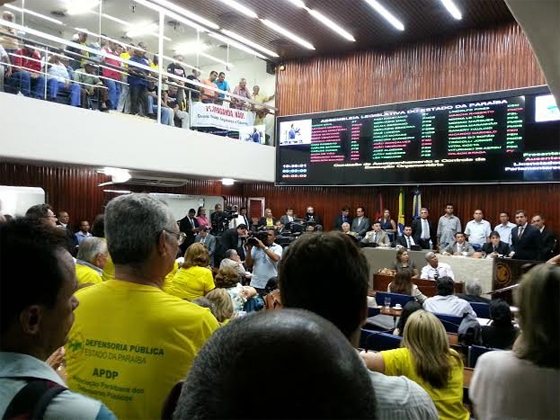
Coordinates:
x,y
426,359
194,279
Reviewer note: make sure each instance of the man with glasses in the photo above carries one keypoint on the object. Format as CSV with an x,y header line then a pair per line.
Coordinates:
x,y
264,258
131,339
42,214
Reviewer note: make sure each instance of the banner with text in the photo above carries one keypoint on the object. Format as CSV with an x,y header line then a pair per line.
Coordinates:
x,y
211,115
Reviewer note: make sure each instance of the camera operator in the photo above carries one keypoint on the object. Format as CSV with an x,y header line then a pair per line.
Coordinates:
x,y
232,239
263,255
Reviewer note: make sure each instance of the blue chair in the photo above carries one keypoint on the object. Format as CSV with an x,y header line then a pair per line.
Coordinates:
x,y
379,340
450,322
475,352
482,309
395,298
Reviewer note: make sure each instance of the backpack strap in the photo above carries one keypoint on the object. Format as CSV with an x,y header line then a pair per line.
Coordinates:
x,y
32,400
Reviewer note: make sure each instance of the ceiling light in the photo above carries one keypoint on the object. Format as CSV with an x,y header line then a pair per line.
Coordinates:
x,y
217,60
175,16
386,14
192,47
117,191
187,13
78,7
329,23
118,175
139,30
249,42
240,8
227,181
31,12
114,19
237,45
298,3
452,8
287,34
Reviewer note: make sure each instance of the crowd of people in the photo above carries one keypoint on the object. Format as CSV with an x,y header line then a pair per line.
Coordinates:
x,y
102,81
154,336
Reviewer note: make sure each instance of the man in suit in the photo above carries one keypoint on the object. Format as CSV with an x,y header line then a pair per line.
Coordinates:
x,y
209,242
377,236
310,216
406,240
496,247
360,224
188,225
459,246
423,230
288,217
342,218
232,239
549,240
526,239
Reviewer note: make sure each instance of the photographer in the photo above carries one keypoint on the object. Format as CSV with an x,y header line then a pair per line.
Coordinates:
x,y
263,255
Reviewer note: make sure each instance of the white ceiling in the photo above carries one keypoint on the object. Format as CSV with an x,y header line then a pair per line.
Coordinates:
x,y
135,15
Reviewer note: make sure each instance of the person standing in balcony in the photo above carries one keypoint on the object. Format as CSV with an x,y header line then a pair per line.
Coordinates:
x,y
241,90
222,85
111,74
138,83
124,98
209,96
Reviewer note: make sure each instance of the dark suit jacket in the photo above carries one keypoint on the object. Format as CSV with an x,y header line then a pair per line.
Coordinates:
x,y
284,219
549,244
229,240
338,222
417,232
360,228
401,240
316,218
503,248
529,247
186,227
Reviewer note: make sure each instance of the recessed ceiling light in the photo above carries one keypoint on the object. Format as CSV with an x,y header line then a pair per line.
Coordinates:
x,y
288,34
249,42
228,181
31,12
187,13
240,8
237,45
453,9
386,14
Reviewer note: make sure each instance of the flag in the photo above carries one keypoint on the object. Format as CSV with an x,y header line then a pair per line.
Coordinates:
x,y
416,204
401,221
380,207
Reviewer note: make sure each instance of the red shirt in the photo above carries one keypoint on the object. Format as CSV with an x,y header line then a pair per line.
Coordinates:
x,y
110,73
33,65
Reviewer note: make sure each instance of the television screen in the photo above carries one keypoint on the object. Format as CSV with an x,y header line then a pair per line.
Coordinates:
x,y
500,137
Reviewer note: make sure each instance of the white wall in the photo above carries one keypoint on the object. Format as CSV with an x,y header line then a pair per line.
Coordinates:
x,y
43,132
16,200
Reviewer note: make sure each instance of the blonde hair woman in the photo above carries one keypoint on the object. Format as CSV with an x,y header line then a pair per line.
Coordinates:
x,y
525,382
194,278
222,307
425,358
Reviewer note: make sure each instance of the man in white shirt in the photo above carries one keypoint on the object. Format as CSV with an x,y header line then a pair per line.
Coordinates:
x,y
478,230
505,227
434,269
264,258
445,302
59,80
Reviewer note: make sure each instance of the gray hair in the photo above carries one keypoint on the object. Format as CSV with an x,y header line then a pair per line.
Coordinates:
x,y
132,225
230,252
473,288
429,255
345,223
90,248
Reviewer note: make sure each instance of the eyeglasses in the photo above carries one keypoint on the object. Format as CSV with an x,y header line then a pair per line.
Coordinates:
x,y
181,236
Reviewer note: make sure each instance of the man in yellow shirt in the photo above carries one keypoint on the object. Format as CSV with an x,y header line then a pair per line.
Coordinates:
x,y
131,342
91,260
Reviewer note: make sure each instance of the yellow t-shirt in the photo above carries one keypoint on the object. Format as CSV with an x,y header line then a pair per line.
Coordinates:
x,y
169,278
86,275
448,401
109,270
191,283
131,343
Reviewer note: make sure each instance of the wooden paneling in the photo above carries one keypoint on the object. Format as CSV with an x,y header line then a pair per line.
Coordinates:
x,y
475,61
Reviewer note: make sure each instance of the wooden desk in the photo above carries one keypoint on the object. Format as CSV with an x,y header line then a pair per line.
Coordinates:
x,y
467,377
427,287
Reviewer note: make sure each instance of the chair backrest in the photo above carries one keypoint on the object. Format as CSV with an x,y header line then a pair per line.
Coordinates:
x,y
379,340
482,309
450,322
395,298
475,352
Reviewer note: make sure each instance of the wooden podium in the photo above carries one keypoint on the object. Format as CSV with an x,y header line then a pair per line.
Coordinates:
x,y
508,272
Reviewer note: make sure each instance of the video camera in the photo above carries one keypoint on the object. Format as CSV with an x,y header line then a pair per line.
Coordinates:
x,y
262,235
